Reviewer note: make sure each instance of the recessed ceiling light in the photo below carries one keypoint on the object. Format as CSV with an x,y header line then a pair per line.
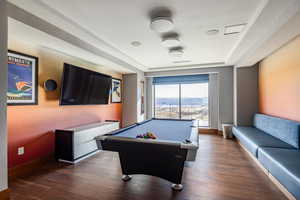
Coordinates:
x,y
170,42
162,24
212,32
233,29
136,43
176,52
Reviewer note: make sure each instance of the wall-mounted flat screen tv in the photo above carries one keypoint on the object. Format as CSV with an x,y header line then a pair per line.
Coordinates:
x,y
84,87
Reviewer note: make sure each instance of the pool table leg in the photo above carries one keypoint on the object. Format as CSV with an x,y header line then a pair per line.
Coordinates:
x,y
126,177
177,187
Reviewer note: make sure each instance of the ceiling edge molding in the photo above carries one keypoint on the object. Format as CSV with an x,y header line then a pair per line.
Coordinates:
x,y
248,45
25,35
33,21
212,64
190,71
287,33
109,48
249,25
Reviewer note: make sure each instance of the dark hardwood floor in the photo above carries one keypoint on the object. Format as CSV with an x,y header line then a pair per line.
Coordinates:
x,y
223,171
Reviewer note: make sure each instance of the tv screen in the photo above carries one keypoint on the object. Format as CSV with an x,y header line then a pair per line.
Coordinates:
x,y
84,87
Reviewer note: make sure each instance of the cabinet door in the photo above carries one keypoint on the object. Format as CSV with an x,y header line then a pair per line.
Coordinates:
x,y
88,135
84,149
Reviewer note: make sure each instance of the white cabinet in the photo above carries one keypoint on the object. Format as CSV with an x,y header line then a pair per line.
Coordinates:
x,y
75,144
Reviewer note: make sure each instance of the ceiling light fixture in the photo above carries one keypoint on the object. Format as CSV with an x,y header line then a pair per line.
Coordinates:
x,y
212,32
176,52
234,29
136,43
170,42
162,24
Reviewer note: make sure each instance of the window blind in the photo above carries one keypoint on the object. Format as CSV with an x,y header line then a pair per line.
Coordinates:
x,y
187,79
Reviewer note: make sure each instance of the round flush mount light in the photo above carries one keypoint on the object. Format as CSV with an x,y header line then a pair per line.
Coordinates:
x,y
170,42
136,43
176,52
212,32
162,24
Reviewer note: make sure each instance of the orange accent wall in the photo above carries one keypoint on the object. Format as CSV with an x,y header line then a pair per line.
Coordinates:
x,y
33,126
279,82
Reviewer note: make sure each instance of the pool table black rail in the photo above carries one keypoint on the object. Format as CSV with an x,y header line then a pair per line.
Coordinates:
x,y
165,161
160,158
192,146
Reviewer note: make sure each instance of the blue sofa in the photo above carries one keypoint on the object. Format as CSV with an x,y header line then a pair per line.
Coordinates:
x,y
275,143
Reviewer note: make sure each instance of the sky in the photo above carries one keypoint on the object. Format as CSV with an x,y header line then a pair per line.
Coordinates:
x,y
187,91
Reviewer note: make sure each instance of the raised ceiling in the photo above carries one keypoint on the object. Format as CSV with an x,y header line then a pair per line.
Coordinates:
x,y
111,26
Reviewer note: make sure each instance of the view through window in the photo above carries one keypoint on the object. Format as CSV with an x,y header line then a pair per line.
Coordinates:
x,y
182,101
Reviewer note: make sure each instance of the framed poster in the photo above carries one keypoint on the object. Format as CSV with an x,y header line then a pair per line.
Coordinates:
x,y
116,93
22,88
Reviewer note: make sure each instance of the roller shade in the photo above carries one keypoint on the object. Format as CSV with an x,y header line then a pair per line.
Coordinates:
x,y
168,80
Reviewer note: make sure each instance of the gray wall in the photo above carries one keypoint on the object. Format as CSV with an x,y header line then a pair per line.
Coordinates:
x,y
140,116
214,100
225,82
3,85
149,97
132,99
245,95
129,99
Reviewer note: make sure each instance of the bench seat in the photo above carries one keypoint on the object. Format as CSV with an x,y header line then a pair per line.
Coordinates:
x,y
252,138
284,165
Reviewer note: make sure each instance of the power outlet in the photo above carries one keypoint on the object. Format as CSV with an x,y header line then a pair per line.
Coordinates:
x,y
21,151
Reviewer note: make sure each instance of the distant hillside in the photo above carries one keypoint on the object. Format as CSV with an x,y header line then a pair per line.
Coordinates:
x,y
184,101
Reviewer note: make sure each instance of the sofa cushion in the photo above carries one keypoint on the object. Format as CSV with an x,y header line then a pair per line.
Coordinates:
x,y
284,165
253,138
283,129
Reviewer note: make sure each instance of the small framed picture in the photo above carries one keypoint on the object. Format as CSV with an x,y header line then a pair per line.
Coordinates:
x,y
22,88
116,91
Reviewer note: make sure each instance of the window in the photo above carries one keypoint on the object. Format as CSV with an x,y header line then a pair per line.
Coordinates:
x,y
180,100
194,102
167,101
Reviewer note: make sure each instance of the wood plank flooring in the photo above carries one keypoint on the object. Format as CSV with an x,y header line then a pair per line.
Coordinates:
x,y
222,171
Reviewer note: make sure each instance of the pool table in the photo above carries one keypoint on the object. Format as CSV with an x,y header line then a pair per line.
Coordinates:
x,y
164,157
